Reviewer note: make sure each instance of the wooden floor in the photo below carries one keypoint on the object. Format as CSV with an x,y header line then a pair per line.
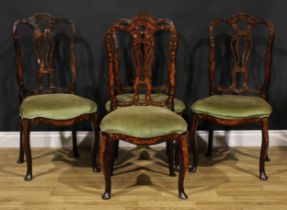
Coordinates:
x,y
226,181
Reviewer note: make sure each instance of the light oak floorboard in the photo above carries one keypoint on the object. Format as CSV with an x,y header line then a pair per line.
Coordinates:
x,y
228,180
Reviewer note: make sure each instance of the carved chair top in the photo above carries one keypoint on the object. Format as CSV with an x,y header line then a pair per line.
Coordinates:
x,y
240,37
43,26
142,29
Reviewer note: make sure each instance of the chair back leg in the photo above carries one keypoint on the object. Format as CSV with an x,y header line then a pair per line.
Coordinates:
x,y
95,146
210,140
193,143
75,145
170,155
21,150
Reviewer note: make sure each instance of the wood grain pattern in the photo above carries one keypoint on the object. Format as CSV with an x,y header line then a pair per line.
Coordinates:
x,y
228,181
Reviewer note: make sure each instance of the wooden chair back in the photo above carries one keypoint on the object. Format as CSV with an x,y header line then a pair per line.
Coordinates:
x,y
43,26
240,58
141,29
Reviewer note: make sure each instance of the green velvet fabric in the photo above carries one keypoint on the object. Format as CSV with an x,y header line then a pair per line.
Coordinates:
x,y
143,122
178,104
56,106
232,106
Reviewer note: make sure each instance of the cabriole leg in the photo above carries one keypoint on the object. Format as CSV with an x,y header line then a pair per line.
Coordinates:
x,y
75,145
95,146
27,148
183,166
193,143
264,146
21,150
170,155
105,163
210,140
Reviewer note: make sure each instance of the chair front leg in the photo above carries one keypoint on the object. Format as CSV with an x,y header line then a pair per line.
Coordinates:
x,y
75,145
183,165
193,143
27,148
264,147
21,150
95,146
105,163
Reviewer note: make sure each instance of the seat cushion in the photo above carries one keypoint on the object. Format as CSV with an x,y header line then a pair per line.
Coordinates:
x,y
232,106
178,104
143,122
56,106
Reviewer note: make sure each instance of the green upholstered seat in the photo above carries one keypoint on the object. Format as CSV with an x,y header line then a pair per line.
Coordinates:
x,y
143,122
178,104
56,106
232,106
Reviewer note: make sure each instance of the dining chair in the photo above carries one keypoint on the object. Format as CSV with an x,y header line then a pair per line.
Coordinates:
x,y
125,94
239,101
49,103
146,116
